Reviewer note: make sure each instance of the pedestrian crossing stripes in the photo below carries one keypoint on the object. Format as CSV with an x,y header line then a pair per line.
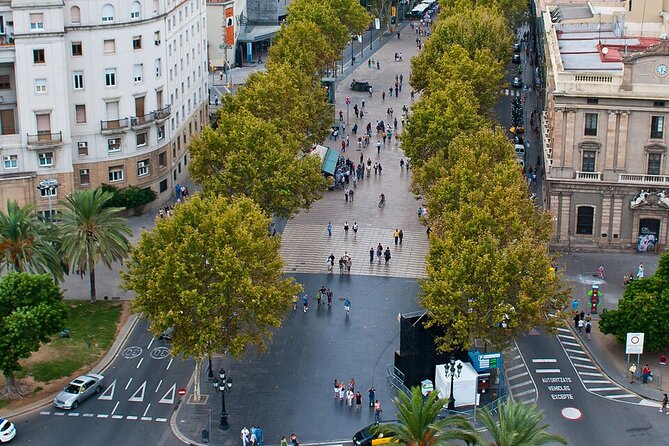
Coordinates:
x,y
522,387
510,92
103,416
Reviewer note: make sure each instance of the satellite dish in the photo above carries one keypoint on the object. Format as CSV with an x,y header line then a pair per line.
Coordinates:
x,y
605,50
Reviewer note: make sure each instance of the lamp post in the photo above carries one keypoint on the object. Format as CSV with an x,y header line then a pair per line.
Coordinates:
x,y
452,369
50,187
223,384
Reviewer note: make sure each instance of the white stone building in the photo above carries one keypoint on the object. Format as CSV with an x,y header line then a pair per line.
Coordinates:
x,y
99,91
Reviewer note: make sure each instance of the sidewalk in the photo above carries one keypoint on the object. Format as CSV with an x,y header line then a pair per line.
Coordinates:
x,y
580,270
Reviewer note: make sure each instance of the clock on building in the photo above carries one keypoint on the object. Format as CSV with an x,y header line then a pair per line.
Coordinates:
x,y
661,69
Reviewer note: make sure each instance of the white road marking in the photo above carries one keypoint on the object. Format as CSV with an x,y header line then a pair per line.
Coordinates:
x,y
520,375
564,329
589,373
601,389
543,360
76,414
571,350
566,336
595,381
169,364
585,366
577,358
140,362
527,392
134,417
128,385
150,418
168,398
573,344
147,409
109,390
138,396
510,369
89,415
59,414
115,407
515,386
513,359
152,339
547,370
117,417
649,403
627,395
161,420
158,386
104,415
45,412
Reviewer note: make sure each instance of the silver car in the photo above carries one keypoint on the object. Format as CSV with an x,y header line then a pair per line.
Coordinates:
x,y
78,390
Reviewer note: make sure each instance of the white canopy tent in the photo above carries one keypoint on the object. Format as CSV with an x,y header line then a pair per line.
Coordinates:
x,y
464,386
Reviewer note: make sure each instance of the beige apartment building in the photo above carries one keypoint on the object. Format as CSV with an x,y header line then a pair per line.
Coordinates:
x,y
604,127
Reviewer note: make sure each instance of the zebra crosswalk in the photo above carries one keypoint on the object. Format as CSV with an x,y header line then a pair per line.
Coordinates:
x,y
521,385
510,92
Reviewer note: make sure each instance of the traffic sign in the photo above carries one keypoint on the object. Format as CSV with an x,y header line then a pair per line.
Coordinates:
x,y
634,345
181,391
663,360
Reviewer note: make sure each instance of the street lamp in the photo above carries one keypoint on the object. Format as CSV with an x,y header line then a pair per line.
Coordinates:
x,y
223,384
50,187
452,369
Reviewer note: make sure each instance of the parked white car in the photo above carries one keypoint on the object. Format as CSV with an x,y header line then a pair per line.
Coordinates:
x,y
7,431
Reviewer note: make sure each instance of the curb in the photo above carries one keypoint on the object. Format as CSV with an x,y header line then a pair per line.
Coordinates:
x,y
104,363
173,419
602,369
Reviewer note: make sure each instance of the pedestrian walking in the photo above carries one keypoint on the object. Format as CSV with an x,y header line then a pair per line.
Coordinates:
x,y
342,391
284,442
401,236
245,434
580,324
371,254
646,374
379,252
398,35
396,236
401,78
574,304
355,228
372,393
358,401
329,294
632,372
346,228
378,146
377,411
576,320
665,400
380,168
383,96
588,330
349,398
330,263
305,302
293,440
347,306
386,255
349,263
378,65
639,271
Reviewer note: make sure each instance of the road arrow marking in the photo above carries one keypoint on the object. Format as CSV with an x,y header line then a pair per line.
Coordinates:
x,y
168,398
138,396
108,394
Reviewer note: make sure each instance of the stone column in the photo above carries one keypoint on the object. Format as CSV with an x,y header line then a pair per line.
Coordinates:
x,y
558,138
622,140
569,139
565,217
606,216
617,217
609,149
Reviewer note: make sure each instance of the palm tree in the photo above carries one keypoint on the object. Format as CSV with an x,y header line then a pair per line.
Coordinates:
x,y
27,243
417,423
91,232
518,425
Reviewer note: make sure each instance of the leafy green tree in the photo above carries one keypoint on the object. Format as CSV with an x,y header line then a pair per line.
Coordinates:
x,y
247,156
290,99
438,118
382,10
27,243
31,310
417,423
213,273
301,46
644,307
91,232
519,424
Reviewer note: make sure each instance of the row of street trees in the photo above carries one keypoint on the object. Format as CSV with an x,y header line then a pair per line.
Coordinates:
x,y
488,263
212,271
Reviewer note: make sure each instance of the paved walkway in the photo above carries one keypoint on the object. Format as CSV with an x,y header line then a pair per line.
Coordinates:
x,y
306,244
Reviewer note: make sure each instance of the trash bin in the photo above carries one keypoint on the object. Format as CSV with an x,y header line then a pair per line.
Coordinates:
x,y
205,435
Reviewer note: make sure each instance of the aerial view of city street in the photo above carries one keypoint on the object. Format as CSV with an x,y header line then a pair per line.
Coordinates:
x,y
338,222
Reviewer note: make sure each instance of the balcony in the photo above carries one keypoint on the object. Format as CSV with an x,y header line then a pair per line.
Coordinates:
x,y
45,139
588,176
628,178
114,126
139,122
162,114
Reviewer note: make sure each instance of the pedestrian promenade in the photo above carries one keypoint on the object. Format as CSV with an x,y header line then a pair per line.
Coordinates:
x,y
306,243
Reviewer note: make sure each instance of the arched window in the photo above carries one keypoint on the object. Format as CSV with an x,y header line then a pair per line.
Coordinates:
x,y
107,14
75,14
585,220
135,10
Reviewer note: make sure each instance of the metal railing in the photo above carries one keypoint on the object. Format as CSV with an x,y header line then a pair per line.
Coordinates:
x,y
142,120
45,137
163,113
114,124
396,379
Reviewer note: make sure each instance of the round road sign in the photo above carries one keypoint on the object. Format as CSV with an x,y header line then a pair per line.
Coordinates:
x,y
663,360
181,391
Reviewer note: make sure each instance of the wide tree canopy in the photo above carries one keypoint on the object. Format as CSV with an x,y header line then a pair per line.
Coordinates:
x,y
213,273
31,310
301,46
247,156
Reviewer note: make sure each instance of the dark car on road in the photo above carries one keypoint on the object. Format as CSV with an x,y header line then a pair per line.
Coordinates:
x,y
368,436
516,58
517,82
359,86
517,47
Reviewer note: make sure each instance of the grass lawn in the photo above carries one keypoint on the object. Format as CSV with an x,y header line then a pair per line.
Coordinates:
x,y
92,329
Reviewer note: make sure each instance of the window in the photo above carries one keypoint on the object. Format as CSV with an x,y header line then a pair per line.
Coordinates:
x,y
143,168
138,70
75,14
115,173
591,124
4,82
77,49
110,77
654,163
162,186
593,101
137,43
161,132
82,148
107,14
10,161
657,127
156,38
114,145
38,56
110,46
658,104
48,215
48,192
40,86
36,22
80,112
135,11
585,219
78,80
159,68
84,177
588,164
141,139
45,159
162,159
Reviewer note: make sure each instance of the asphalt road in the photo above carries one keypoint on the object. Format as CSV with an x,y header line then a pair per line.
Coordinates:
x,y
139,397
580,403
